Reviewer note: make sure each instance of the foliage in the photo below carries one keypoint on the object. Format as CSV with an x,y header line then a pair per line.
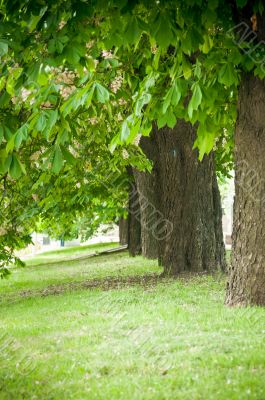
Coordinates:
x,y
81,76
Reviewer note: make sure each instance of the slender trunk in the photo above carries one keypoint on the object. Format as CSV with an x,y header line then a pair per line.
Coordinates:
x,y
219,237
191,236
123,231
247,273
134,220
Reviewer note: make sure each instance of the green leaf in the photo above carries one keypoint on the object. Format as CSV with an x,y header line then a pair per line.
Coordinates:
x,y
14,74
195,100
227,75
156,59
8,133
57,44
10,144
16,168
143,100
36,18
186,67
3,161
3,48
132,31
207,44
20,135
125,131
52,118
209,17
90,64
57,162
102,94
68,156
72,54
41,122
168,119
205,140
260,71
162,121
171,119
241,3
146,128
114,143
163,34
4,99
2,82
172,97
186,43
1,133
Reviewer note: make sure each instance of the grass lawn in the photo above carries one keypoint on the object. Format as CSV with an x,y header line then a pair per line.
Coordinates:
x,y
109,328
65,253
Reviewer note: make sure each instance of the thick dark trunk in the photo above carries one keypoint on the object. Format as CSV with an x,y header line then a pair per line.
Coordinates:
x,y
147,190
134,220
123,231
190,204
185,219
247,273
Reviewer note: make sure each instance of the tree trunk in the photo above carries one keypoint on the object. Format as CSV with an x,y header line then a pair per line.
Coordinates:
x,y
190,238
219,237
134,220
123,231
147,190
247,273
183,225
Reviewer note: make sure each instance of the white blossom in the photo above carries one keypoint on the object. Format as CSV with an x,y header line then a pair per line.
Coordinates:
x,y
122,101
137,139
125,154
116,83
2,231
106,54
93,120
61,24
25,93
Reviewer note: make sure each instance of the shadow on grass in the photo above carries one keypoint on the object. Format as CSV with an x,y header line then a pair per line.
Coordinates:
x,y
108,283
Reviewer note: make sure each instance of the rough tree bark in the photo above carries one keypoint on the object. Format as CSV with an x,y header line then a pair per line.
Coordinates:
x,y
246,284
123,231
186,217
147,191
134,219
192,238
247,273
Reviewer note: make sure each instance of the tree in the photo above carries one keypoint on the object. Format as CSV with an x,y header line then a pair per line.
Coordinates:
x,y
181,203
123,231
134,219
147,187
247,276
180,60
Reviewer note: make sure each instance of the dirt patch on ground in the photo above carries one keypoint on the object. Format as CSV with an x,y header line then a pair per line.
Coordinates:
x,y
147,281
108,283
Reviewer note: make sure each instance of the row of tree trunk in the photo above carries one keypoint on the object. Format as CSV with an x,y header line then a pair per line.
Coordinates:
x,y
175,211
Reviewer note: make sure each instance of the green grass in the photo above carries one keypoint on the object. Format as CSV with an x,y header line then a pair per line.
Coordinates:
x,y
162,339
65,253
